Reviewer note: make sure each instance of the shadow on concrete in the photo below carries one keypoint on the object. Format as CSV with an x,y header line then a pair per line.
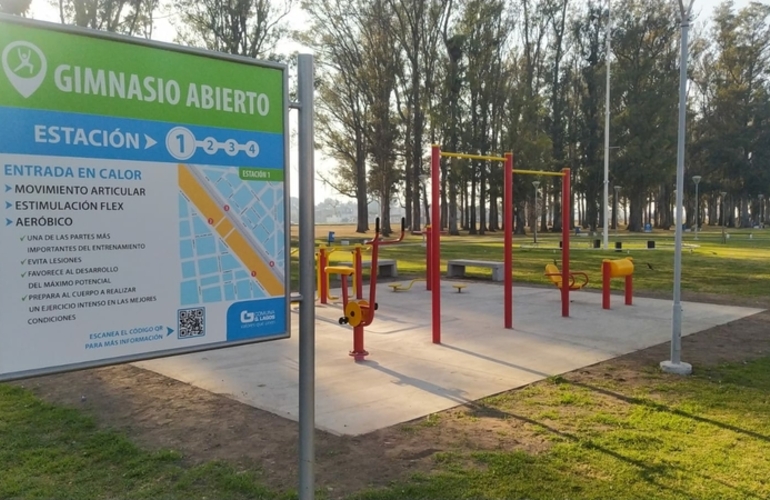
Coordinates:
x,y
498,361
455,395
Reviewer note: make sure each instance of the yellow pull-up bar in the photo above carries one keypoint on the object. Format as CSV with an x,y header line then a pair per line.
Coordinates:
x,y
471,157
539,172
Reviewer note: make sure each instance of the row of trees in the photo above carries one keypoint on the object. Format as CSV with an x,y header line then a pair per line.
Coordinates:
x,y
487,76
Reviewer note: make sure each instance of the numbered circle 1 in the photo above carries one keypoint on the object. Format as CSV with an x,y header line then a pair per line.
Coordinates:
x,y
231,147
210,145
252,149
180,143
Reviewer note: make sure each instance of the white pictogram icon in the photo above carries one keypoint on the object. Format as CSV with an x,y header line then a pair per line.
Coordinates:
x,y
24,58
21,70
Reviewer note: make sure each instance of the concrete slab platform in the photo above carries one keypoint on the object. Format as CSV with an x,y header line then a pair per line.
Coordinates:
x,y
406,376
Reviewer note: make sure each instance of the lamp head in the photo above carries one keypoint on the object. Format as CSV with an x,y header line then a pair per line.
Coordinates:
x,y
696,178
536,184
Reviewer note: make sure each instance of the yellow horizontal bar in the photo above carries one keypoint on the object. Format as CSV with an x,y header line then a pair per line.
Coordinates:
x,y
472,157
539,172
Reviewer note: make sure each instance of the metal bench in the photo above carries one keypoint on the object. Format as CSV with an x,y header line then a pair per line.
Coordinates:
x,y
456,268
387,268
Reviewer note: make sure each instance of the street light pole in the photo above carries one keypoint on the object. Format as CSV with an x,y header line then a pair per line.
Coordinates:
x,y
537,185
696,179
675,364
615,209
761,211
606,235
722,213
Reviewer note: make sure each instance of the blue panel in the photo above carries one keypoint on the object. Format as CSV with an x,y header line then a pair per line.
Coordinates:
x,y
243,288
209,280
209,265
201,227
184,229
188,269
225,188
205,245
189,293
212,294
18,136
186,249
229,262
243,196
267,197
229,292
256,318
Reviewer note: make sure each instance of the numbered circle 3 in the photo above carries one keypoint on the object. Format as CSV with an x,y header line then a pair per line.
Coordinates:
x,y
180,143
232,147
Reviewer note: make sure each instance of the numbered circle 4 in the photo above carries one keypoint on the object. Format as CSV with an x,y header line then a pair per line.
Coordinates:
x,y
210,145
252,149
180,143
231,147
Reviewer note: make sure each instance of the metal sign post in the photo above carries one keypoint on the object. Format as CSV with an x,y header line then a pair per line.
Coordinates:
x,y
305,75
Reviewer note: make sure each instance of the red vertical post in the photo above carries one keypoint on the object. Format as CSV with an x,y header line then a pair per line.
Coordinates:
x,y
606,271
629,289
508,246
323,286
358,352
359,273
428,255
566,223
435,219
345,298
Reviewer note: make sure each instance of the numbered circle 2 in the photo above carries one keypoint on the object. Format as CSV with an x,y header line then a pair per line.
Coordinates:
x,y
210,145
180,143
252,149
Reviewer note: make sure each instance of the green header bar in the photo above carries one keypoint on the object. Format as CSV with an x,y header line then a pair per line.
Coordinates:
x,y
57,71
260,174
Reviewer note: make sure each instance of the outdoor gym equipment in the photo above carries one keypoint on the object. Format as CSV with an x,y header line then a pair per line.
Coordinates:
x,y
359,313
398,287
323,272
557,277
433,275
621,268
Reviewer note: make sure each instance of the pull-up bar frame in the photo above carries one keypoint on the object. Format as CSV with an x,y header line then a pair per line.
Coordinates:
x,y
433,273
565,232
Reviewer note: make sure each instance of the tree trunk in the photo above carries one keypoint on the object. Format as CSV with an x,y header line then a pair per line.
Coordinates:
x,y
362,209
636,212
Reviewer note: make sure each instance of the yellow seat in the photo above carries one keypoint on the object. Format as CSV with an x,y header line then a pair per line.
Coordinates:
x,y
556,277
347,271
396,287
459,288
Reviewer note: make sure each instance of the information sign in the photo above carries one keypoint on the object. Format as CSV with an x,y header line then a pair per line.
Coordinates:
x,y
143,196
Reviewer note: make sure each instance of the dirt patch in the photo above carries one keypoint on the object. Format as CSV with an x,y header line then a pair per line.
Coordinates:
x,y
161,413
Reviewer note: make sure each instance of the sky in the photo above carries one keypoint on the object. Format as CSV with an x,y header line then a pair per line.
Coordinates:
x,y
164,31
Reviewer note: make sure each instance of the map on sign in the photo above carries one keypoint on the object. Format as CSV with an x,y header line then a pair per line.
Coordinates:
x,y
236,253
143,197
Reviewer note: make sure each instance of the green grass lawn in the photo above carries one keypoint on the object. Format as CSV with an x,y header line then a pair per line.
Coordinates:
x,y
706,436
48,452
736,268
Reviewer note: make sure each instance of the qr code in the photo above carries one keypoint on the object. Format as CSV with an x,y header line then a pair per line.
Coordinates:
x,y
191,323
